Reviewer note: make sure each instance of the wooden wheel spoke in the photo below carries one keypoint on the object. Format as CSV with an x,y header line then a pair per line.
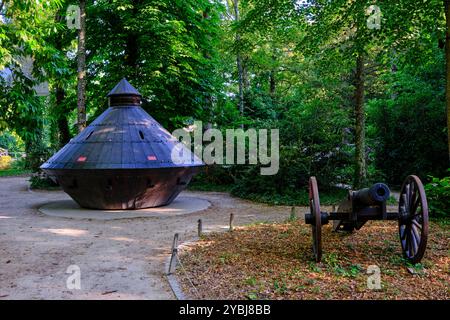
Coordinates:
x,y
404,203
416,224
413,242
407,244
403,233
415,234
412,196
406,197
415,205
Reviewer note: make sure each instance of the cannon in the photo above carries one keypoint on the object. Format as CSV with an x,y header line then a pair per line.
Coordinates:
x,y
370,204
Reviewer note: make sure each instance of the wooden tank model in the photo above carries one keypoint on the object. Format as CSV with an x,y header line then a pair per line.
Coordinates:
x,y
123,159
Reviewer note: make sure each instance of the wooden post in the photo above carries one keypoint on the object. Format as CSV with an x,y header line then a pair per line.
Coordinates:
x,y
173,258
200,228
231,221
293,216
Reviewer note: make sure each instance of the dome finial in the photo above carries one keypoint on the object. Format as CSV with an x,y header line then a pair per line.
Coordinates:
x,y
124,88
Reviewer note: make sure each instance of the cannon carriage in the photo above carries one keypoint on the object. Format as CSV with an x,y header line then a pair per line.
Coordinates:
x,y
370,204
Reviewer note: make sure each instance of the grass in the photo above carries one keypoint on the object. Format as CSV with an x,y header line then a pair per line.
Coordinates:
x,y
391,201
275,261
14,172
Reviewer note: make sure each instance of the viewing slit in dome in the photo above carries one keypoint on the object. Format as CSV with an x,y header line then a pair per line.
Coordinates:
x,y
122,160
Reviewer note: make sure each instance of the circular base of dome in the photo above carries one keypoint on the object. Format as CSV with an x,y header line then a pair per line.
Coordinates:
x,y
182,205
123,189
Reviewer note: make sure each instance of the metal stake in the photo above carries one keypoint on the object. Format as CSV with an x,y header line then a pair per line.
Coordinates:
x,y
173,258
200,228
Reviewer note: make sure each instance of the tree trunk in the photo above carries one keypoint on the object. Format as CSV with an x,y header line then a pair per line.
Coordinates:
x,y
272,80
60,129
63,125
360,137
132,50
239,60
245,79
132,53
81,75
272,83
447,68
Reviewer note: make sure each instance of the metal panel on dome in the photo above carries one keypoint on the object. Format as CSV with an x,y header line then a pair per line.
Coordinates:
x,y
122,160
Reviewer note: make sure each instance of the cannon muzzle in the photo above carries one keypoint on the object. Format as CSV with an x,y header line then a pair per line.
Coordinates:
x,y
377,193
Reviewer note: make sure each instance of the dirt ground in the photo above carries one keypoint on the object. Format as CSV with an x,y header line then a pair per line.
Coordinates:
x,y
118,259
275,261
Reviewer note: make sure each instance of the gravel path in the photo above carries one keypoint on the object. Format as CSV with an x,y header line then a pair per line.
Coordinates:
x,y
118,259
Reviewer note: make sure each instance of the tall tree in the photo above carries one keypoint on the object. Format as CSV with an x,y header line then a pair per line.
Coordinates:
x,y
62,80
24,30
167,49
360,127
356,29
81,76
447,67
240,68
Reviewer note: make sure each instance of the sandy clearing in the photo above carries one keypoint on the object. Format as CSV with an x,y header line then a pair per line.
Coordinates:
x,y
118,259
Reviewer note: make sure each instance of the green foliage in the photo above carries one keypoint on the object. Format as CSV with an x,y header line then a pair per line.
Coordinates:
x,y
17,168
14,172
24,33
438,195
11,142
298,76
407,127
42,182
165,48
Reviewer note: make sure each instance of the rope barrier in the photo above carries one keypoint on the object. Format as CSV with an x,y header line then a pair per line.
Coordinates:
x,y
197,293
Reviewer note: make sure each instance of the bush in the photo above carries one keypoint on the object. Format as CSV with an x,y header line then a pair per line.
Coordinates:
x,y
19,163
213,178
407,127
10,141
36,157
5,162
42,181
438,195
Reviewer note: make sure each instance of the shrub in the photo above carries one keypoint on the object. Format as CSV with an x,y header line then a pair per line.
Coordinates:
x,y
438,195
42,181
406,127
19,163
5,162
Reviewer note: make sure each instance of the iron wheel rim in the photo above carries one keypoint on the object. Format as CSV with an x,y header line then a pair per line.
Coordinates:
x,y
316,226
413,219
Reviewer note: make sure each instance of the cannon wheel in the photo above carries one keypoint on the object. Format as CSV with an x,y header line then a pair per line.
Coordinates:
x,y
316,226
413,219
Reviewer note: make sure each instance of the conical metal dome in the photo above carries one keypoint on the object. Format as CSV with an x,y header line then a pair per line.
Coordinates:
x,y
123,159
124,88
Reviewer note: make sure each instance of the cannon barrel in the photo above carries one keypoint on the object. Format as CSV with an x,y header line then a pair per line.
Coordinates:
x,y
377,193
